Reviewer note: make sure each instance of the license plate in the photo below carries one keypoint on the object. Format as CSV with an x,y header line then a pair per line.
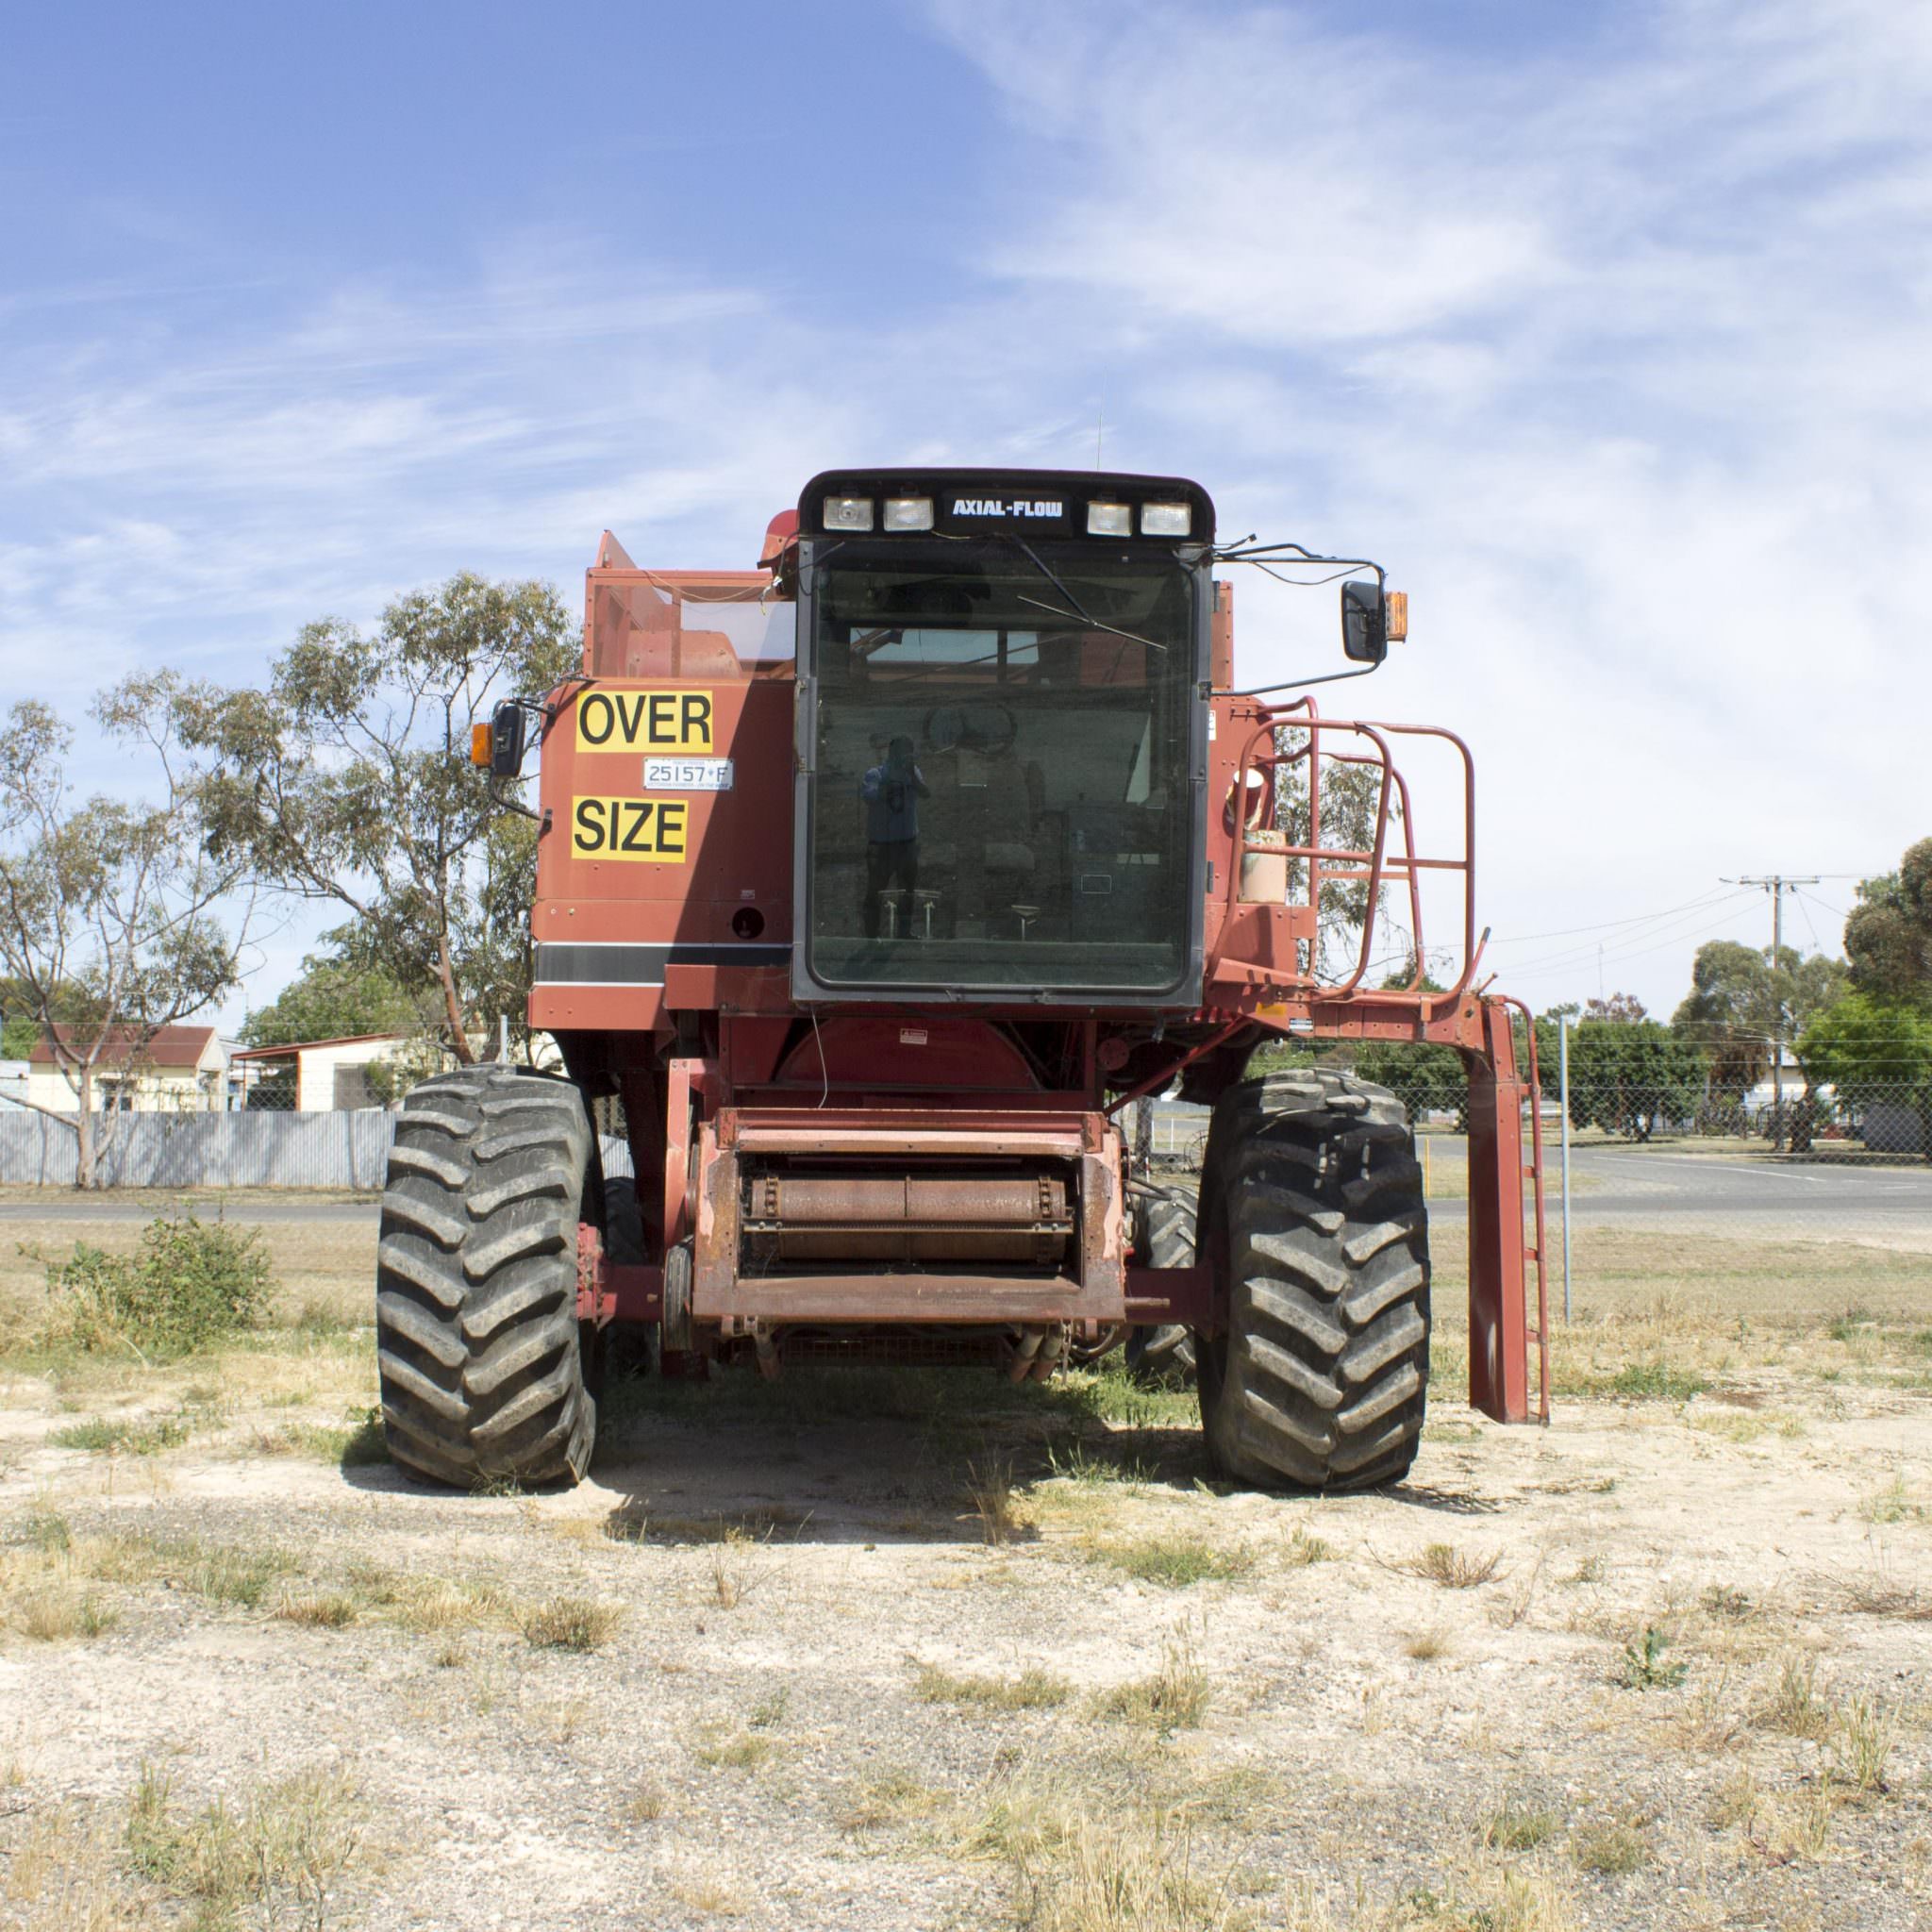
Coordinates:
x,y
687,774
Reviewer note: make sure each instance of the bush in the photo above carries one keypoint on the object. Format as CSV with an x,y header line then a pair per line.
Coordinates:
x,y
191,1283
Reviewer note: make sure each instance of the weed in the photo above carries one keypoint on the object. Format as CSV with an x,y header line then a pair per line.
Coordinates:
x,y
332,1610
739,1751
990,1489
1794,1706
1032,1689
769,1711
705,1891
1646,1667
450,1655
644,1804
1174,1698
1727,1606
1854,1322
1518,1828
57,1611
1862,1747
46,1530
1894,1503
1736,1803
191,1283
570,1622
893,1797
285,1843
224,1574
1654,1381
1132,1877
124,1437
1303,1549
1175,1562
1613,1851
1426,1646
437,1603
1454,1569
1592,1569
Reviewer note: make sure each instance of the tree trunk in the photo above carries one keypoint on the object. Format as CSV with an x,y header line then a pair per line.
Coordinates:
x,y
459,1040
84,1154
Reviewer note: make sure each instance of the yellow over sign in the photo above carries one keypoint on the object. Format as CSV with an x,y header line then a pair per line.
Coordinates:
x,y
652,829
633,720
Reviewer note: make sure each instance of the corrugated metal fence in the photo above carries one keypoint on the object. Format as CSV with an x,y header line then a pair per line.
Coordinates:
x,y
345,1149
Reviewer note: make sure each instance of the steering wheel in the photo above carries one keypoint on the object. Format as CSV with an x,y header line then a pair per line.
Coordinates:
x,y
970,727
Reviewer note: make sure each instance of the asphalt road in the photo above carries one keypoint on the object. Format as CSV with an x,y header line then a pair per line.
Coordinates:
x,y
1612,1185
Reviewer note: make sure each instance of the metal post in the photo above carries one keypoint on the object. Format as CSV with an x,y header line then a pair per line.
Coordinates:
x,y
1563,1021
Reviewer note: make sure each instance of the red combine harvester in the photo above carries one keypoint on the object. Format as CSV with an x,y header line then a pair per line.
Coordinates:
x,y
877,883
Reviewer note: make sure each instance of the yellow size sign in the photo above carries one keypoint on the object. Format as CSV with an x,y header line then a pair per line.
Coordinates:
x,y
619,720
648,828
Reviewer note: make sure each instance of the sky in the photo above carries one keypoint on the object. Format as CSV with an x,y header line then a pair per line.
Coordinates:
x,y
1605,328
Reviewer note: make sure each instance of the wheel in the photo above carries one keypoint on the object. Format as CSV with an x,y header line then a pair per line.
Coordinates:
x,y
1318,1238
476,1325
1166,1236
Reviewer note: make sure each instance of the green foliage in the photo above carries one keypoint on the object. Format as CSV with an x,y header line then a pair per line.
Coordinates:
x,y
116,909
1888,934
348,780
1420,1076
1625,1077
332,1000
1646,1667
1869,1050
191,1283
1740,1002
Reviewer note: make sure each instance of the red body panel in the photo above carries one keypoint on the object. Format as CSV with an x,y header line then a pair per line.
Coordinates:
x,y
663,922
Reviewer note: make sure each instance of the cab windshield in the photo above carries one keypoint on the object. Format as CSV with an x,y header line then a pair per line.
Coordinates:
x,y
1001,794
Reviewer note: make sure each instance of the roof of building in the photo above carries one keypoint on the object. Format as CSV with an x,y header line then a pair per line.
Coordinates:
x,y
167,1046
290,1047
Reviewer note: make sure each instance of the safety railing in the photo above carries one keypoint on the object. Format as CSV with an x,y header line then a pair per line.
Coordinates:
x,y
1256,803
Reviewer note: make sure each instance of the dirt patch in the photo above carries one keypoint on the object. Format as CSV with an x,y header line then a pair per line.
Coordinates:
x,y
1664,1663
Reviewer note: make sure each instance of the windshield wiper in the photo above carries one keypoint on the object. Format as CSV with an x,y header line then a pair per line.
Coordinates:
x,y
1079,609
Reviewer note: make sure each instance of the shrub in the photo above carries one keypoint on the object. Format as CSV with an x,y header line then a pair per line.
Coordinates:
x,y
191,1283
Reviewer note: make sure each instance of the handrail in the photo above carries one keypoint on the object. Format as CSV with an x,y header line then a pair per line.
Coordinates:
x,y
1336,865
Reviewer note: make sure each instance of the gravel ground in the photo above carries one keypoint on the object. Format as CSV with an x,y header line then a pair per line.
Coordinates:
x,y
1664,1663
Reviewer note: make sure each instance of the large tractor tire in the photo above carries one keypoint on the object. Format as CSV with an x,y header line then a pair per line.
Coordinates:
x,y
476,1280
1317,1234
1165,1235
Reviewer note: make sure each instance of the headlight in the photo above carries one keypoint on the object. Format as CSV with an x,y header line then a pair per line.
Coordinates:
x,y
1166,519
848,512
907,514
1109,520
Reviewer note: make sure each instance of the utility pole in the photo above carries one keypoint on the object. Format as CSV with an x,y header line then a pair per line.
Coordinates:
x,y
1778,885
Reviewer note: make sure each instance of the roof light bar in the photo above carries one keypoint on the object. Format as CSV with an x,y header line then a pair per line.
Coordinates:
x,y
1166,519
1109,520
908,513
848,512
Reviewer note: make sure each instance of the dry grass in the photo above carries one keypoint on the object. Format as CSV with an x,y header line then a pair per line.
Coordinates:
x,y
990,1489
889,1799
1175,1697
1794,1703
1428,1645
1453,1568
571,1623
1032,1689
278,1852
743,1750
1518,1828
334,1609
1611,1851
1175,1562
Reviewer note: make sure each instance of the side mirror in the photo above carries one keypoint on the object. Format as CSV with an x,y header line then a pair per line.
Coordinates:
x,y
1364,623
508,724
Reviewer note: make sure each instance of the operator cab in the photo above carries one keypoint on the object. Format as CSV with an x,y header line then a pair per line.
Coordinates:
x,y
1002,736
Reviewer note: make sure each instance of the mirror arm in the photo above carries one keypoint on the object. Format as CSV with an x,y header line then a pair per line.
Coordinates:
x,y
1262,690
